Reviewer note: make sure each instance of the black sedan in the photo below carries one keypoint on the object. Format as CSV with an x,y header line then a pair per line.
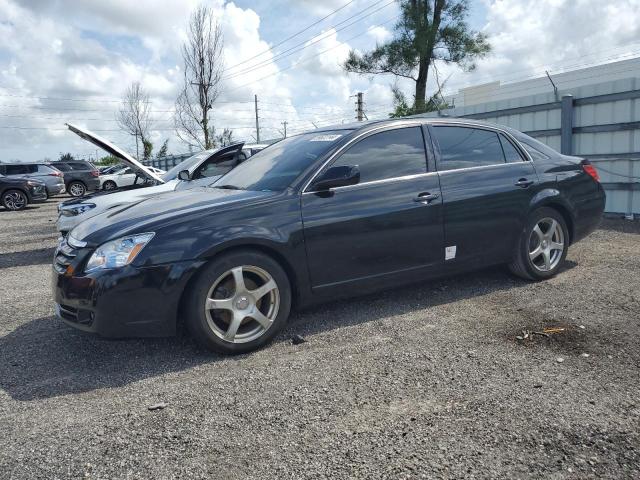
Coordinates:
x,y
18,192
333,212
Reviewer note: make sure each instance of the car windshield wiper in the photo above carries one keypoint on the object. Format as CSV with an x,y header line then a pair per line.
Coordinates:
x,y
227,187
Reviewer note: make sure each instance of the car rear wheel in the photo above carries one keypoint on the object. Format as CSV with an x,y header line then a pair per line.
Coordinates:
x,y
14,200
543,246
109,185
239,302
77,189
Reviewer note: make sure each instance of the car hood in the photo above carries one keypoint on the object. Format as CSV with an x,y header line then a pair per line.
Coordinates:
x,y
160,211
110,148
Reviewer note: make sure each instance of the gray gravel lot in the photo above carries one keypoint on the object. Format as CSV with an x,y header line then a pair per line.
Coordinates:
x,y
425,382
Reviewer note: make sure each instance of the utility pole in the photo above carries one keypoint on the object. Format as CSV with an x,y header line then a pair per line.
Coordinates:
x,y
359,107
257,122
284,124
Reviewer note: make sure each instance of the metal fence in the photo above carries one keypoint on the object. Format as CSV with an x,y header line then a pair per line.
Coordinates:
x,y
600,122
168,162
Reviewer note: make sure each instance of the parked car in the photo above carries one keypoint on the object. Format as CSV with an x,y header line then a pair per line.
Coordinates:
x,y
51,176
124,177
107,169
80,177
18,192
201,169
325,214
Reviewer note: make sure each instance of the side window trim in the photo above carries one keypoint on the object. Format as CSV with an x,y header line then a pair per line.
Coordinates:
x,y
371,134
499,132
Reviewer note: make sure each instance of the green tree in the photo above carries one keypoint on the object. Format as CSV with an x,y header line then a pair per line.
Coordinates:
x,y
163,149
66,157
148,149
402,108
108,160
427,32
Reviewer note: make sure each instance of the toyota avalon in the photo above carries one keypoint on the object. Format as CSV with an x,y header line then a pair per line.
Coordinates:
x,y
333,212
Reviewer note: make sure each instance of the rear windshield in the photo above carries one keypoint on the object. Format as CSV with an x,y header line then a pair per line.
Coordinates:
x,y
276,167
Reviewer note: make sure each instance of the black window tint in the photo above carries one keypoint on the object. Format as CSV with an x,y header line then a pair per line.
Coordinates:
x,y
394,153
510,152
462,147
17,169
63,167
79,166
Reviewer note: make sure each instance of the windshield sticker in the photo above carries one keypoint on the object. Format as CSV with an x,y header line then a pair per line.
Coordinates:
x,y
325,138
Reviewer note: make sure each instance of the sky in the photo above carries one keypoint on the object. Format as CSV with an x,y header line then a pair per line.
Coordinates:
x,y
71,61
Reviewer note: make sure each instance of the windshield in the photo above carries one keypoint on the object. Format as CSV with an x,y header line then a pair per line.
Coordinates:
x,y
276,167
186,165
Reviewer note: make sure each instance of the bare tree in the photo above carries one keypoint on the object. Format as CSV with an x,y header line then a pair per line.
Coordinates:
x,y
134,117
202,54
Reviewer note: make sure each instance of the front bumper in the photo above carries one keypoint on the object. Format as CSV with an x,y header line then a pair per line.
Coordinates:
x,y
56,189
125,302
38,194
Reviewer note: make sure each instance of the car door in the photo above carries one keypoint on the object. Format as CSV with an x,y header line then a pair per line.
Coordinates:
x,y
126,177
487,185
388,223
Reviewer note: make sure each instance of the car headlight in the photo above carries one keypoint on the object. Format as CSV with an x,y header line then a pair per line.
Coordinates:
x,y
73,210
118,253
31,183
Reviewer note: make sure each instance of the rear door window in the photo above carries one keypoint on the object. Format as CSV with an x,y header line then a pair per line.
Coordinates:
x,y
63,167
389,154
465,147
79,166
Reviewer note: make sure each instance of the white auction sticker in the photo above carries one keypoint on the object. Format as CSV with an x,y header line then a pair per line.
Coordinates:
x,y
325,138
450,253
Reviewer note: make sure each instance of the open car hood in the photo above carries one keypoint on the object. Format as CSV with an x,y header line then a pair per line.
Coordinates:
x,y
108,147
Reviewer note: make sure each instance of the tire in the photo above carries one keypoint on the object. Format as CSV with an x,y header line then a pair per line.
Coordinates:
x,y
14,200
542,247
214,306
109,185
76,189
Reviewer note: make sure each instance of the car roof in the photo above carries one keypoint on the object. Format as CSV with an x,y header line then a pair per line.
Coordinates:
x,y
421,119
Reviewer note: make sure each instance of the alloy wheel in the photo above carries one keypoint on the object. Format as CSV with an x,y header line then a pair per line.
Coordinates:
x,y
242,304
110,186
15,200
546,244
76,189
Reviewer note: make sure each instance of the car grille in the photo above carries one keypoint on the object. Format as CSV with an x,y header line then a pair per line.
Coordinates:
x,y
64,256
75,315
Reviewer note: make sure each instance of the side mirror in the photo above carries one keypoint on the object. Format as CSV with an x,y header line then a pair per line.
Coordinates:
x,y
184,175
338,177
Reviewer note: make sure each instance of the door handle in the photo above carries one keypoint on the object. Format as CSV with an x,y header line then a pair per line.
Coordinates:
x,y
426,197
524,183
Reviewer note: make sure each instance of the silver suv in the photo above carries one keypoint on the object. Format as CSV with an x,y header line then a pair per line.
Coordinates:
x,y
51,176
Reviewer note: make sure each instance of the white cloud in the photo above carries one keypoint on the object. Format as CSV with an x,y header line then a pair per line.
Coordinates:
x,y
379,33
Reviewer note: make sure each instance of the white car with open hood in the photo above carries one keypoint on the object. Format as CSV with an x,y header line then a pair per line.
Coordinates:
x,y
201,169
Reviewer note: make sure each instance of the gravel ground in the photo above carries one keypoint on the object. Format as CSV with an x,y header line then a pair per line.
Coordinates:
x,y
425,382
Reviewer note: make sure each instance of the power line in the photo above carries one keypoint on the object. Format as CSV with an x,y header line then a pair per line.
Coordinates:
x,y
292,36
313,56
292,50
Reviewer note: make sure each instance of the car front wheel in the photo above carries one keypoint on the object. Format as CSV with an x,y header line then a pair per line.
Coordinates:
x,y
14,200
239,302
542,247
77,189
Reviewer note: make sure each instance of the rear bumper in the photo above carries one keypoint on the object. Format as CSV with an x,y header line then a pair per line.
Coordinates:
x,y
125,302
93,183
589,214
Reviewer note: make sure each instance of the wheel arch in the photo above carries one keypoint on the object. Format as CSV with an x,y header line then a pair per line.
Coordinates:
x,y
20,189
552,198
256,246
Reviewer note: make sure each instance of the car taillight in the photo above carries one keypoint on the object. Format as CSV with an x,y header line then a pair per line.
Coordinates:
x,y
95,173
591,170
55,174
